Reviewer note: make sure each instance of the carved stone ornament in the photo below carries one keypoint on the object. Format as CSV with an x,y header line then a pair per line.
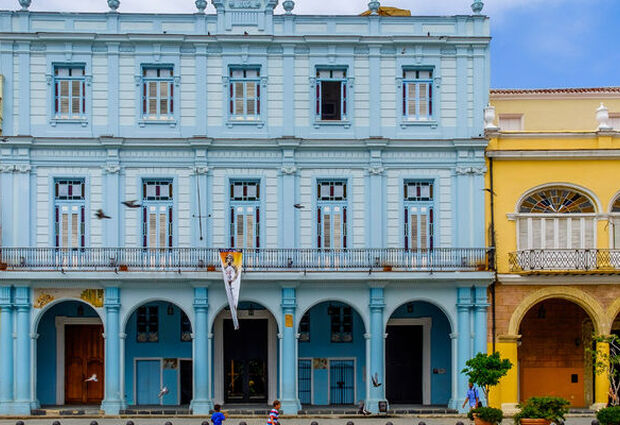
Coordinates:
x,y
42,300
489,118
477,6
244,4
93,297
25,4
199,169
602,117
15,168
201,5
288,6
113,5
288,170
111,169
376,170
471,170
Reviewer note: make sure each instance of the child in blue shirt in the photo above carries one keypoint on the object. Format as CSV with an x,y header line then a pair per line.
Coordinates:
x,y
217,417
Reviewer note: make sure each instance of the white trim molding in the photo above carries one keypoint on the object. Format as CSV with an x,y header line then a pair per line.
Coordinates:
x,y
426,323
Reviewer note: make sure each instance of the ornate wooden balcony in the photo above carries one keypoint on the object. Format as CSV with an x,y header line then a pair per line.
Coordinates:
x,y
565,260
254,260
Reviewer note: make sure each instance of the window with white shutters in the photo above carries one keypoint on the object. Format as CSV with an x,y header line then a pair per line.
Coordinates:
x,y
418,217
244,94
417,94
245,211
69,92
331,215
69,213
157,213
157,93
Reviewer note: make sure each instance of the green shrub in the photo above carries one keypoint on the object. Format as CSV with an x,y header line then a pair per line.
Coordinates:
x,y
489,414
550,408
609,415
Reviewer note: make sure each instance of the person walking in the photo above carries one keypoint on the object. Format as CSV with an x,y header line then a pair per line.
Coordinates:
x,y
217,417
472,397
274,414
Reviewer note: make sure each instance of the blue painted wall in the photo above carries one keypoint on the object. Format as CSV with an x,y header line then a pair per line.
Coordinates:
x,y
46,347
320,346
440,347
169,346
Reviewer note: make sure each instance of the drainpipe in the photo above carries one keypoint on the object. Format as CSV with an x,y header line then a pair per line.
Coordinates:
x,y
494,255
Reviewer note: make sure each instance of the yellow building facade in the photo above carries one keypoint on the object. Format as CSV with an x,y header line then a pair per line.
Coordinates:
x,y
553,214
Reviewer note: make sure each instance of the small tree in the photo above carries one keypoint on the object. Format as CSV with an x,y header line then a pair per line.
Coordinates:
x,y
608,363
485,370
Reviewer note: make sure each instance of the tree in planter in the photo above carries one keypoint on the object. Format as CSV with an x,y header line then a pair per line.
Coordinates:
x,y
485,370
608,362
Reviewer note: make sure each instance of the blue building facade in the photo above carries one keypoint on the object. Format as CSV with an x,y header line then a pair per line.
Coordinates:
x,y
343,154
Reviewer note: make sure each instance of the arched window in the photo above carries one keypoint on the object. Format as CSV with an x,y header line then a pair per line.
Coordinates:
x,y
615,221
556,218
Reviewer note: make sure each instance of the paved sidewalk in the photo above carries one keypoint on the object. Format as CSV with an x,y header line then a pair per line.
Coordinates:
x,y
409,420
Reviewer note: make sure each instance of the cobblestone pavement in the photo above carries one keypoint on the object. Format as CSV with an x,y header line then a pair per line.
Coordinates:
x,y
409,420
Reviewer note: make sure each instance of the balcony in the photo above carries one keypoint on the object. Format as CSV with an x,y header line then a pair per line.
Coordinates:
x,y
565,260
254,260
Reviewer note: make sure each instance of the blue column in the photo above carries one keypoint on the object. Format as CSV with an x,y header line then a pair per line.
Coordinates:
x,y
6,350
201,403
113,400
288,358
463,308
21,406
480,320
376,361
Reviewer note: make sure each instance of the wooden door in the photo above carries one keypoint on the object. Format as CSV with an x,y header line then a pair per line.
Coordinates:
x,y
83,359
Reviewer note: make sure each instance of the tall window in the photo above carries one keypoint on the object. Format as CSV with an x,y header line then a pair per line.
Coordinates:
x,y
69,92
244,94
615,219
556,218
245,214
331,218
69,213
157,203
417,94
331,94
341,320
186,328
157,93
147,324
418,214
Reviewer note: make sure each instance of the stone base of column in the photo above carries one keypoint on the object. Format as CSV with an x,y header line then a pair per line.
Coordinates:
x,y
21,408
597,406
372,405
453,404
201,407
510,409
112,407
290,407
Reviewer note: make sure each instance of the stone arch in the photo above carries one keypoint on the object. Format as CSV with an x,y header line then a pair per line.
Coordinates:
x,y
215,312
612,312
614,203
128,313
577,296
329,298
41,313
561,185
433,302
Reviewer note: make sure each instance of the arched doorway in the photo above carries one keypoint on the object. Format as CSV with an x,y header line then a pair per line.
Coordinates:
x,y
553,356
70,355
332,355
245,361
158,355
418,358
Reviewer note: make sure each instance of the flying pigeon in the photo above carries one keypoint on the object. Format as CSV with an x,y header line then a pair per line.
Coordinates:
x,y
101,215
362,409
131,204
245,33
375,380
298,206
93,378
163,392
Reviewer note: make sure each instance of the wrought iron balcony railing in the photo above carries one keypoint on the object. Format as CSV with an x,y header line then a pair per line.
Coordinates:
x,y
208,259
565,260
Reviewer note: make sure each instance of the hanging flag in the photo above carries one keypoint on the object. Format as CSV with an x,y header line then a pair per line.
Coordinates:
x,y
232,261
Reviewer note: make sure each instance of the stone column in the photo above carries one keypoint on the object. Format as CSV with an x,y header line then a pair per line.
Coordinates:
x,y
480,321
21,406
601,380
6,350
290,401
453,403
506,394
377,343
463,308
201,403
113,399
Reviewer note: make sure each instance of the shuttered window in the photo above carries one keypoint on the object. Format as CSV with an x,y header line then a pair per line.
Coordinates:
x,y
419,215
417,94
244,94
69,213
331,215
245,214
157,93
157,213
69,92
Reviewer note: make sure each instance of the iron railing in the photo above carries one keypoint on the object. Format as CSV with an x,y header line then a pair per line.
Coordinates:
x,y
139,259
562,260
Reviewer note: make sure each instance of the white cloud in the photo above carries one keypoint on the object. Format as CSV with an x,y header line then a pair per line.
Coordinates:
x,y
330,7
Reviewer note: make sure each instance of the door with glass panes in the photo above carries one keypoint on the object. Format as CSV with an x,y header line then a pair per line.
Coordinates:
x,y
332,215
245,211
418,221
69,219
157,224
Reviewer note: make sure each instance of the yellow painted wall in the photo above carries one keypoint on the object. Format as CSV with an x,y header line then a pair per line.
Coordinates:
x,y
557,113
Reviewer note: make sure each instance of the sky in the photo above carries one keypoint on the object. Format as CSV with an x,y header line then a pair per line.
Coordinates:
x,y
536,43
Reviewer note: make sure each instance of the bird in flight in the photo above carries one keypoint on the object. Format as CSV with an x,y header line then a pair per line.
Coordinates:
x,y
131,204
93,378
298,206
163,392
101,215
375,380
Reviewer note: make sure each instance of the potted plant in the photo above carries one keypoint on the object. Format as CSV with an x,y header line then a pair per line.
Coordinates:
x,y
485,371
486,415
609,415
542,411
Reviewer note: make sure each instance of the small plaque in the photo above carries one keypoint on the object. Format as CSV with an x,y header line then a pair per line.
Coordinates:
x,y
288,320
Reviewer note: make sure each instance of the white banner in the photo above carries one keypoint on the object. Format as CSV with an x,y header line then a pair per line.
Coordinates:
x,y
232,262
